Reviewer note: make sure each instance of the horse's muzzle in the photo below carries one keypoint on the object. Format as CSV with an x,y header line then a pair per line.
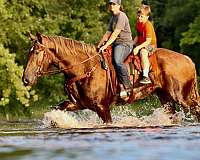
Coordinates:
x,y
25,81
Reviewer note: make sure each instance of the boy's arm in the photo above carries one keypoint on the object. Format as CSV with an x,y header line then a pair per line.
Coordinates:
x,y
143,45
135,40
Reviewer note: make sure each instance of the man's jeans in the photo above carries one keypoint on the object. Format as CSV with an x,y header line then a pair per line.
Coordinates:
x,y
120,53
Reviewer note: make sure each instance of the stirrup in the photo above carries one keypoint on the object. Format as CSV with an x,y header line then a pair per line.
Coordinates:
x,y
145,80
104,64
125,94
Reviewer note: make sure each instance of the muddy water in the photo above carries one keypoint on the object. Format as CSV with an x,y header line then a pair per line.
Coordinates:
x,y
82,136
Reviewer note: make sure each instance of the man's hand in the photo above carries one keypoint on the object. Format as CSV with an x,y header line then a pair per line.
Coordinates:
x,y
103,48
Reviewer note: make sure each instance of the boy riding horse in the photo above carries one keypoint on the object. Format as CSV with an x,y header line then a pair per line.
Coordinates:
x,y
145,41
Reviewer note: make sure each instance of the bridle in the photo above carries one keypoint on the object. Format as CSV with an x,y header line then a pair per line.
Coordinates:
x,y
47,57
39,63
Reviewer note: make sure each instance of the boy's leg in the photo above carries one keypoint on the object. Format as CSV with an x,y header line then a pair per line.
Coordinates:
x,y
145,66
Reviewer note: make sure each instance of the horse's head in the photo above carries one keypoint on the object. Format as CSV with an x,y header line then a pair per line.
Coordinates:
x,y
38,62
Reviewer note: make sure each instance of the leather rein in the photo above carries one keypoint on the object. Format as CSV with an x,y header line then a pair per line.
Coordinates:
x,y
72,80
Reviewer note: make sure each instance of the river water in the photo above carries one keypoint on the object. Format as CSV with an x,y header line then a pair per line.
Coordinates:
x,y
82,136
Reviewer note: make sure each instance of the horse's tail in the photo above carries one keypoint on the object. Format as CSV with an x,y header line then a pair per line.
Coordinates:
x,y
195,99
196,86
194,91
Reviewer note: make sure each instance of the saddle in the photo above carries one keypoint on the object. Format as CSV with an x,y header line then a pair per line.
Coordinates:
x,y
133,63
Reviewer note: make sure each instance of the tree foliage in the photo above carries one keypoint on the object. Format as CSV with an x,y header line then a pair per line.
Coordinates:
x,y
12,90
171,21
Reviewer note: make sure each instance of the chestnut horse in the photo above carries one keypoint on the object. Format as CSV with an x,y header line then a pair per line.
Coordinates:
x,y
88,86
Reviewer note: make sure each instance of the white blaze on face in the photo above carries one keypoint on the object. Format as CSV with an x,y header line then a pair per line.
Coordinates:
x,y
31,49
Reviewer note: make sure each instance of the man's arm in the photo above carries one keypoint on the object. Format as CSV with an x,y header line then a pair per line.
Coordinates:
x,y
104,39
112,38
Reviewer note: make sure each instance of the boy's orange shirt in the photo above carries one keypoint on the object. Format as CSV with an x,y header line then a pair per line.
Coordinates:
x,y
146,30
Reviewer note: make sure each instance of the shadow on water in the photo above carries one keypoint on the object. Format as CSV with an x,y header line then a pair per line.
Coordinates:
x,y
82,136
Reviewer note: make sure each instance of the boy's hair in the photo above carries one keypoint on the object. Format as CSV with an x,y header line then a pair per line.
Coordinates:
x,y
144,9
145,2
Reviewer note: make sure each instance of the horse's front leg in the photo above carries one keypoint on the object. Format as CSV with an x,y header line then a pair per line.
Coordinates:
x,y
68,106
104,113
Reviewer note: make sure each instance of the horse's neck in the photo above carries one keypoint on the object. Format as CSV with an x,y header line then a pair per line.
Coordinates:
x,y
73,63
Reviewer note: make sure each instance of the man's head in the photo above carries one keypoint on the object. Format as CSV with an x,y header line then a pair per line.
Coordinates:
x,y
118,2
114,6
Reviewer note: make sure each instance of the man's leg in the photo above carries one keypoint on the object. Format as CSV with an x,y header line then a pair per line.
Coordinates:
x,y
120,53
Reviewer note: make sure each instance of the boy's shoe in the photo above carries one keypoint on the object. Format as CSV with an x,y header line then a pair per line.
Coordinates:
x,y
145,80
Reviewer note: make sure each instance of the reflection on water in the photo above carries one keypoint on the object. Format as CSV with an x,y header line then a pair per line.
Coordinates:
x,y
154,137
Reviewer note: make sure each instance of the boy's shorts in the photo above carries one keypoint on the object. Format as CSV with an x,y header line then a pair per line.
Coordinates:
x,y
149,48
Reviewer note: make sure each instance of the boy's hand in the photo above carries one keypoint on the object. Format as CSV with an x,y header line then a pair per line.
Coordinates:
x,y
136,50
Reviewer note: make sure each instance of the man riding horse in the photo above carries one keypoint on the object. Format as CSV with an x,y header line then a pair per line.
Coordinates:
x,y
119,35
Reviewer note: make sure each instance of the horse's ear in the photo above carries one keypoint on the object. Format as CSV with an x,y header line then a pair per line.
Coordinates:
x,y
39,37
32,37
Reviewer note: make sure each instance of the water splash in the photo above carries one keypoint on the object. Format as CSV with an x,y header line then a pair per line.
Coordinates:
x,y
122,117
80,119
158,118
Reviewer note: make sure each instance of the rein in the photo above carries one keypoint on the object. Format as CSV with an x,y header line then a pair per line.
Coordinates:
x,y
63,69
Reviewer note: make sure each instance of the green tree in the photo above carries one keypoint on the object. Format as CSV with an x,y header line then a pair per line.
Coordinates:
x,y
12,90
171,21
190,43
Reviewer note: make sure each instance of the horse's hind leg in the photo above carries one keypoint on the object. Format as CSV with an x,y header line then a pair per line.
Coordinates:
x,y
191,106
167,102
